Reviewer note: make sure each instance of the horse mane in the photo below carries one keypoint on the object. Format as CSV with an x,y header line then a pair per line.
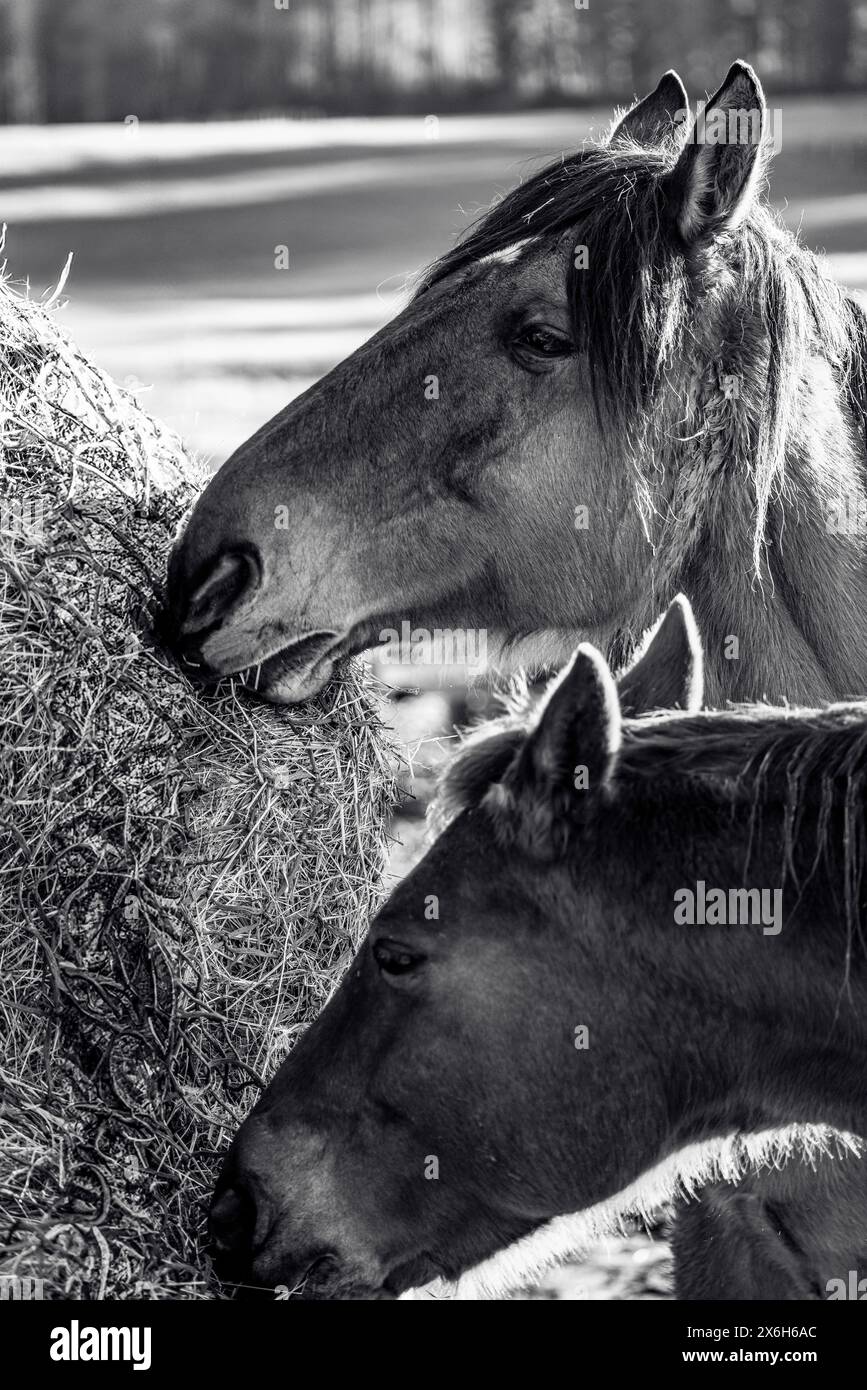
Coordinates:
x,y
733,752
857,378
633,308
811,763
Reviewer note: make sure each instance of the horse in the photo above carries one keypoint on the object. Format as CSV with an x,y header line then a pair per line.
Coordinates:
x,y
628,380
547,1027
644,385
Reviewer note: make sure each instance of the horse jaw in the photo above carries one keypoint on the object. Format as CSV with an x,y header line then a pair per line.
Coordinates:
x,y
680,1175
547,649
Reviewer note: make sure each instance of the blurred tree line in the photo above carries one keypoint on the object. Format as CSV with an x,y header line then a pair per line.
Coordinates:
x,y
99,60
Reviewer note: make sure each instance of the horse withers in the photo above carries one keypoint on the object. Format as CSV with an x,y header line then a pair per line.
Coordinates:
x,y
631,962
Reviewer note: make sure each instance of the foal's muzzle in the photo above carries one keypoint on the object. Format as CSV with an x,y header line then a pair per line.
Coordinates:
x,y
232,1222
311,1275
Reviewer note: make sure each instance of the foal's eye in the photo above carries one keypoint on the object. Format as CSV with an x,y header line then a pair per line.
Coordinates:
x,y
394,959
540,343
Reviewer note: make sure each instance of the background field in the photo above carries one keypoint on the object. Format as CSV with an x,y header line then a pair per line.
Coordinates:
x,y
174,229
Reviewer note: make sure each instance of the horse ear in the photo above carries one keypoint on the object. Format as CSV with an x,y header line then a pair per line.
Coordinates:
x,y
657,117
711,186
669,670
577,734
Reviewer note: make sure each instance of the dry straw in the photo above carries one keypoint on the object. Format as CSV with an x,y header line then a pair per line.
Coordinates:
x,y
182,878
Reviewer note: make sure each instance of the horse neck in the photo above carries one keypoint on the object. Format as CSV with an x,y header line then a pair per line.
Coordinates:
x,y
800,1056
785,1013
776,1075
797,630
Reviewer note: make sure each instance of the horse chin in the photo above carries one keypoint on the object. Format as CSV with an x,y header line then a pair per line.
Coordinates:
x,y
294,687
356,1293
295,674
331,1286
322,1280
300,671
328,1279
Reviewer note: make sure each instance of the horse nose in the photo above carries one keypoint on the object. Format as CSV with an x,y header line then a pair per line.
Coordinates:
x,y
231,1223
229,579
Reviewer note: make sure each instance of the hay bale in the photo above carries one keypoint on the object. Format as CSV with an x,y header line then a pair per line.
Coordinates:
x,y
182,878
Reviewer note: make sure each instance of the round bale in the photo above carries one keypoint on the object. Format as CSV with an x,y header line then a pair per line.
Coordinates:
x,y
183,877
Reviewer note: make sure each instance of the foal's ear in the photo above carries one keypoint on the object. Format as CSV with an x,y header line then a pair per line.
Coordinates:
x,y
669,670
574,744
712,184
657,117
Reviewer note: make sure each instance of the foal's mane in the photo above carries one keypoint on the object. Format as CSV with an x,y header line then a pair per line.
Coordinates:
x,y
805,761
732,752
636,307
810,763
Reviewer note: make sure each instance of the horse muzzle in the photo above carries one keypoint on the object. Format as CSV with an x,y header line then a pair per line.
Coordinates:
x,y
275,1268
219,627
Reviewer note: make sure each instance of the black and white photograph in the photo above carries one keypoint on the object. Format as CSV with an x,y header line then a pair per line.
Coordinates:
x,y
433,667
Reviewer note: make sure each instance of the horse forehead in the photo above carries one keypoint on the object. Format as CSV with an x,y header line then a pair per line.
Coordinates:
x,y
509,255
477,269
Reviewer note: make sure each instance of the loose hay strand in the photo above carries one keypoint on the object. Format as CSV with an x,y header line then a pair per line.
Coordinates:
x,y
183,879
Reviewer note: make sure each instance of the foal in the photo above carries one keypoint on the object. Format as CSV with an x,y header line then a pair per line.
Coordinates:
x,y
632,961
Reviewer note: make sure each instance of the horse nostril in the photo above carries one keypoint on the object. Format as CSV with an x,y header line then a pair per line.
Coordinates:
x,y
232,1221
233,574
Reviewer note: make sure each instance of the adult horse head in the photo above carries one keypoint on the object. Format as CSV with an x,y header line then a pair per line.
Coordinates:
x,y
531,1025
628,380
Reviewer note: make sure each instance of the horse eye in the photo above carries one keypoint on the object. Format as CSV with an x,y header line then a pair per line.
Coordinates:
x,y
394,959
541,343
